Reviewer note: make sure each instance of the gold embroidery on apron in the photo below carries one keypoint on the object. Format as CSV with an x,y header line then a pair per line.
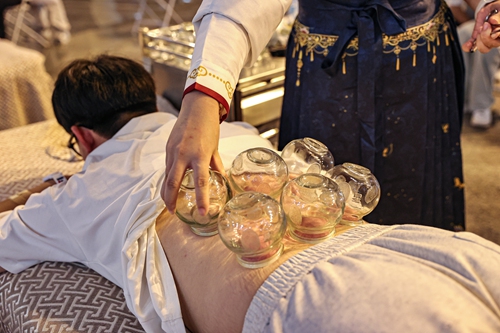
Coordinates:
x,y
388,150
414,37
312,43
445,128
458,183
429,32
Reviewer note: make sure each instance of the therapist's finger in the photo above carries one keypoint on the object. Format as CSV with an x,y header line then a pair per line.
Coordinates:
x,y
169,161
171,184
202,181
176,164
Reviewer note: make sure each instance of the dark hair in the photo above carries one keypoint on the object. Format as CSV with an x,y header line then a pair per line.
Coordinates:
x,y
102,94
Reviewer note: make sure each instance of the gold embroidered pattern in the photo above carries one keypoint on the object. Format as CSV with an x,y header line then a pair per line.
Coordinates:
x,y
312,43
427,33
202,71
351,51
458,183
419,35
388,150
445,128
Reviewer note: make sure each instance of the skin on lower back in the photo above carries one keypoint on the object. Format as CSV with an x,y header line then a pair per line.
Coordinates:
x,y
215,291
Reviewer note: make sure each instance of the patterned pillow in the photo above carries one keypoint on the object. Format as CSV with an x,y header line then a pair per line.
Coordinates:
x,y
63,297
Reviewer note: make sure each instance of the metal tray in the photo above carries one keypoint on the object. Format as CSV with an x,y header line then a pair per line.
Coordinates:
x,y
172,46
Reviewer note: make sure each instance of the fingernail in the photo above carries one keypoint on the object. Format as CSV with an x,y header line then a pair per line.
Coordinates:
x,y
202,211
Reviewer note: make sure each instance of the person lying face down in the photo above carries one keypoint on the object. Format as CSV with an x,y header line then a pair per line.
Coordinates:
x,y
104,216
110,217
98,216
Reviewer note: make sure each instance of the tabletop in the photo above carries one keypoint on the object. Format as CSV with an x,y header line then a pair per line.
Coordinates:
x,y
29,153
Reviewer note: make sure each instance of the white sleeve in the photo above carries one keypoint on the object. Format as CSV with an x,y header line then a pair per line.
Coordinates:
x,y
229,35
453,3
483,3
34,233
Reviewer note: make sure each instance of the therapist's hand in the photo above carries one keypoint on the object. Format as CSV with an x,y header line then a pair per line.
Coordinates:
x,y
193,144
485,34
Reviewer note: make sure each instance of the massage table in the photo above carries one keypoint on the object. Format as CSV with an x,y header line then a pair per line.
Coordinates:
x,y
67,297
52,296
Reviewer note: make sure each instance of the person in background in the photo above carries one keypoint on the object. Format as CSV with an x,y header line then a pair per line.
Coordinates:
x,y
480,68
105,13
486,32
379,82
53,21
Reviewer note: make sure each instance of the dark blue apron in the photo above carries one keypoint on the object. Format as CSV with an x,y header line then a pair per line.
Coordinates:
x,y
381,84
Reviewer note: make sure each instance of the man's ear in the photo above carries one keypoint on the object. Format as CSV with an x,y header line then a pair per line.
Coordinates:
x,y
88,140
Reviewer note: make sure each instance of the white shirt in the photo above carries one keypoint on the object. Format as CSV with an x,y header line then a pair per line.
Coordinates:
x,y
483,3
454,3
229,35
104,218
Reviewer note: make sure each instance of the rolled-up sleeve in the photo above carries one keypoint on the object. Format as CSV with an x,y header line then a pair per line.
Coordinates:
x,y
230,35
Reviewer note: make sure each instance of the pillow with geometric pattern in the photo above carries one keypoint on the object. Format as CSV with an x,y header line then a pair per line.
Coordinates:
x,y
63,297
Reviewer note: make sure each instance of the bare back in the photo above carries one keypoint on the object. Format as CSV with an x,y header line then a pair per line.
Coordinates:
x,y
214,290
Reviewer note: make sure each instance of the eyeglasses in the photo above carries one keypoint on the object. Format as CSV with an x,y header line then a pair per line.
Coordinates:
x,y
72,144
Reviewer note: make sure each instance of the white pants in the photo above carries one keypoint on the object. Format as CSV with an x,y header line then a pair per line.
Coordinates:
x,y
384,279
480,72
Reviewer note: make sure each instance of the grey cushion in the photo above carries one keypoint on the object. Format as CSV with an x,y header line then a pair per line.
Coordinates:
x,y
62,297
